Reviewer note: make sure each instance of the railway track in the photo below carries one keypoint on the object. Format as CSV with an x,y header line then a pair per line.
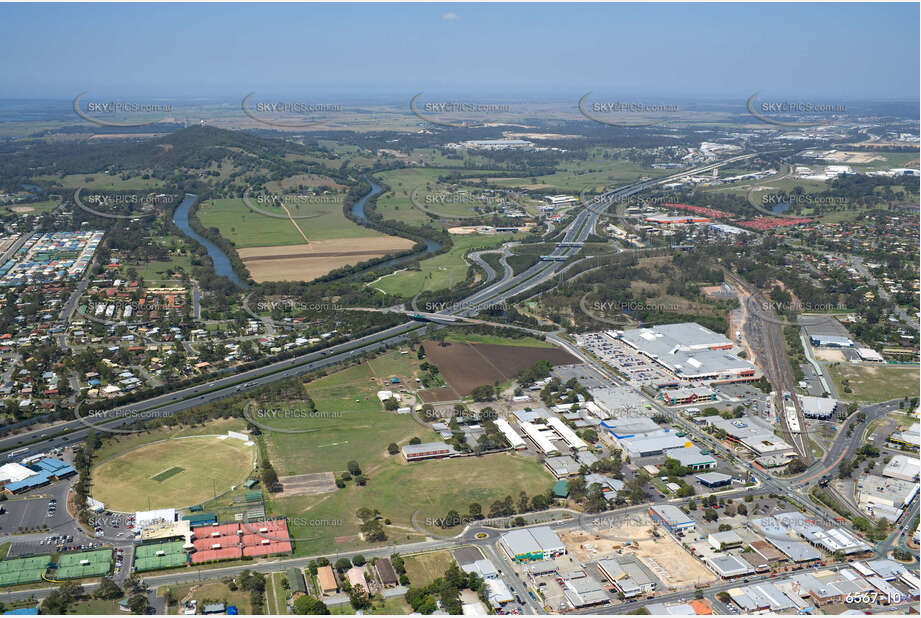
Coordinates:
x,y
765,335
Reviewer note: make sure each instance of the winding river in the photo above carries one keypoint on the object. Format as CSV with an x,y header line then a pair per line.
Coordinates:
x,y
222,264
358,211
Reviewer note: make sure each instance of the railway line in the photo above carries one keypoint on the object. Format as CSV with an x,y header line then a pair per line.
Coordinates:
x,y
765,335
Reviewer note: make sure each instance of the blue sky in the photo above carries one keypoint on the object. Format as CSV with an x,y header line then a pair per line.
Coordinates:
x,y
845,51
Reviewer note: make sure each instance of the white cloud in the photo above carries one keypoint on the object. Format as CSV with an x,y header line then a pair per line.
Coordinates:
x,y
449,16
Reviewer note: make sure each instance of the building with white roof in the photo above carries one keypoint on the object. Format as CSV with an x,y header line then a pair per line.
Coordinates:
x,y
568,435
13,473
721,541
754,434
563,466
910,438
903,468
884,497
540,437
672,517
630,426
650,444
143,519
691,352
817,407
497,592
584,591
691,457
728,566
482,567
514,440
532,544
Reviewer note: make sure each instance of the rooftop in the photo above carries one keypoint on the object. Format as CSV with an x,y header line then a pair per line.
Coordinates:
x,y
688,349
671,515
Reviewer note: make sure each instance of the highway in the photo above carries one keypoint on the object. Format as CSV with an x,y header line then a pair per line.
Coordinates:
x,y
577,231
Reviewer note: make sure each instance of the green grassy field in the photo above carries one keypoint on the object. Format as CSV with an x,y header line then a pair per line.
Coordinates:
x,y
596,171
875,383
423,569
99,607
246,228
120,443
441,271
391,606
398,490
394,364
350,424
147,478
103,182
398,204
275,595
31,208
163,270
210,592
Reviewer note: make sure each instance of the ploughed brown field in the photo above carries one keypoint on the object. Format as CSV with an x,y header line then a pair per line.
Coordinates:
x,y
307,262
468,365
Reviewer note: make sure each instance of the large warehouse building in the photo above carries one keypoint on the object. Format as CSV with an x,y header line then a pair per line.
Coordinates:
x,y
817,407
532,544
673,518
427,450
754,434
690,352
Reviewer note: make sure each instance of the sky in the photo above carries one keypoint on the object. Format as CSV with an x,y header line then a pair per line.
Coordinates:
x,y
844,51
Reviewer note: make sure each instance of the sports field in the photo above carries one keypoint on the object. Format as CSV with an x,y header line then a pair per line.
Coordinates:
x,y
172,473
70,567
29,208
23,570
148,557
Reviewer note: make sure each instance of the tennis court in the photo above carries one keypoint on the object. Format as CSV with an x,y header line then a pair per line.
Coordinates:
x,y
159,556
84,564
23,570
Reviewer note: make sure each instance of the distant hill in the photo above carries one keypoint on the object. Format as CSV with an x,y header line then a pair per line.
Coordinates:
x,y
192,147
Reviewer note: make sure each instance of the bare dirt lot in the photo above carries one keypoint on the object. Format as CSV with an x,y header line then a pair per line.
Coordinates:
x,y
586,546
307,262
466,366
307,484
670,562
832,356
434,395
